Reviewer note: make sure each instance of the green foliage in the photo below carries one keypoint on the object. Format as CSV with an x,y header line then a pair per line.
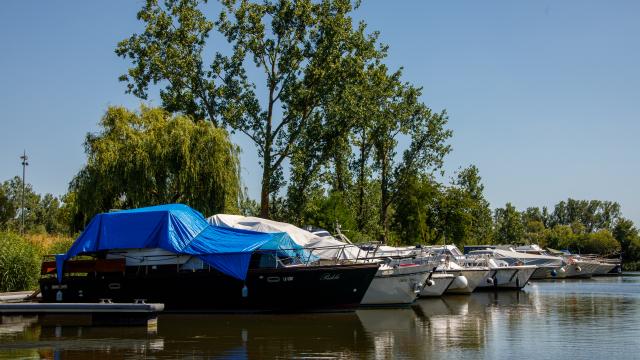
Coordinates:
x,y
20,258
149,157
592,214
331,210
403,114
308,52
508,225
426,212
13,190
170,51
599,242
7,208
19,263
41,213
415,218
627,235
480,228
631,266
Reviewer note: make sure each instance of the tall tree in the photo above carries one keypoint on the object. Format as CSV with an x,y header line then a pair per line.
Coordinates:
x,y
480,228
403,114
508,223
7,208
308,52
171,52
592,214
627,235
415,218
13,191
149,157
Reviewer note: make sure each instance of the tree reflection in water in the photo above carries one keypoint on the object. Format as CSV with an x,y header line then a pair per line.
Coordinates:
x,y
587,318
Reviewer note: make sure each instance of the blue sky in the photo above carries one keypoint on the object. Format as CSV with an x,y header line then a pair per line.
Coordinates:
x,y
543,96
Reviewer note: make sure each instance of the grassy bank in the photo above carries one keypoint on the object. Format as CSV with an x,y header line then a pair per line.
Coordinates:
x,y
20,258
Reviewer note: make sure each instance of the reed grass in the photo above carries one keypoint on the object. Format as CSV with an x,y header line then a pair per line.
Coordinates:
x,y
21,256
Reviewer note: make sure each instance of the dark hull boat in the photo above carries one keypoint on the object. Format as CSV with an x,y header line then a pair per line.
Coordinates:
x,y
287,289
169,254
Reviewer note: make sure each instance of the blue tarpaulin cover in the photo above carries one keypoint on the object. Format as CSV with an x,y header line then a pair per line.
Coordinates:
x,y
179,229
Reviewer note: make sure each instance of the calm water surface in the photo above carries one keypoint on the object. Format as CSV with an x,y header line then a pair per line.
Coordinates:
x,y
565,319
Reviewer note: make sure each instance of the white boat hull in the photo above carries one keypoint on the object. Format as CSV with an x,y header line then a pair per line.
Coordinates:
x,y
579,269
547,272
604,269
509,277
396,286
472,278
441,283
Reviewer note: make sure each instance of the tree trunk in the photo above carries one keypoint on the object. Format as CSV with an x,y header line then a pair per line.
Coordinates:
x,y
264,193
361,178
384,196
266,163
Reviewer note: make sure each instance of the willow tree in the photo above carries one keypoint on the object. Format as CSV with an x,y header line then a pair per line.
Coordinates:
x,y
151,157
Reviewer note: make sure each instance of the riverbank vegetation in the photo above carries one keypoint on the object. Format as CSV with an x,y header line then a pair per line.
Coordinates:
x,y
21,256
341,138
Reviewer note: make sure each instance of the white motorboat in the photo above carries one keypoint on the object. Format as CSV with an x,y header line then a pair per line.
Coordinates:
x,y
549,266
603,268
503,274
468,278
397,282
579,268
437,284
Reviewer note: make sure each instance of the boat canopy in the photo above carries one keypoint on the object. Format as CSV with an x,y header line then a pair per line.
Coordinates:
x,y
527,258
179,229
324,247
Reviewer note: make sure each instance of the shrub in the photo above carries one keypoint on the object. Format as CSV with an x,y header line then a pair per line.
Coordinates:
x,y
19,263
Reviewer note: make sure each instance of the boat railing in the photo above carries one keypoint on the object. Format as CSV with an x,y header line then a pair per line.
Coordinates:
x,y
282,257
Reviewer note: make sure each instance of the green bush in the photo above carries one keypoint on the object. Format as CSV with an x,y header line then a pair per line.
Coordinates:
x,y
19,263
631,266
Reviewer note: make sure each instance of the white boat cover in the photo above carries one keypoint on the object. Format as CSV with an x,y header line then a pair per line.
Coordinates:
x,y
326,247
524,257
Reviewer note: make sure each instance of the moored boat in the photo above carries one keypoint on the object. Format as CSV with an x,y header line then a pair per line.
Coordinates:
x,y
452,261
603,268
169,254
397,282
437,284
504,275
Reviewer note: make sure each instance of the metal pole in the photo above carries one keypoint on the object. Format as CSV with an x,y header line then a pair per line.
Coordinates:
x,y
24,159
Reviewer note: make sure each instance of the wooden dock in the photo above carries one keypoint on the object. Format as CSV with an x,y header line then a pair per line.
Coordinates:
x,y
86,314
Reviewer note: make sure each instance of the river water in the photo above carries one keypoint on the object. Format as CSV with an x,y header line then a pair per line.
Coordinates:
x,y
592,319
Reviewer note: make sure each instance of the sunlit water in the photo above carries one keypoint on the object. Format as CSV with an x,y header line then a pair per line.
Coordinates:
x,y
566,319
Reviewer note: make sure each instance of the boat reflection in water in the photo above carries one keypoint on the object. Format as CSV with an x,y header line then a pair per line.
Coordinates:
x,y
594,318
438,326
